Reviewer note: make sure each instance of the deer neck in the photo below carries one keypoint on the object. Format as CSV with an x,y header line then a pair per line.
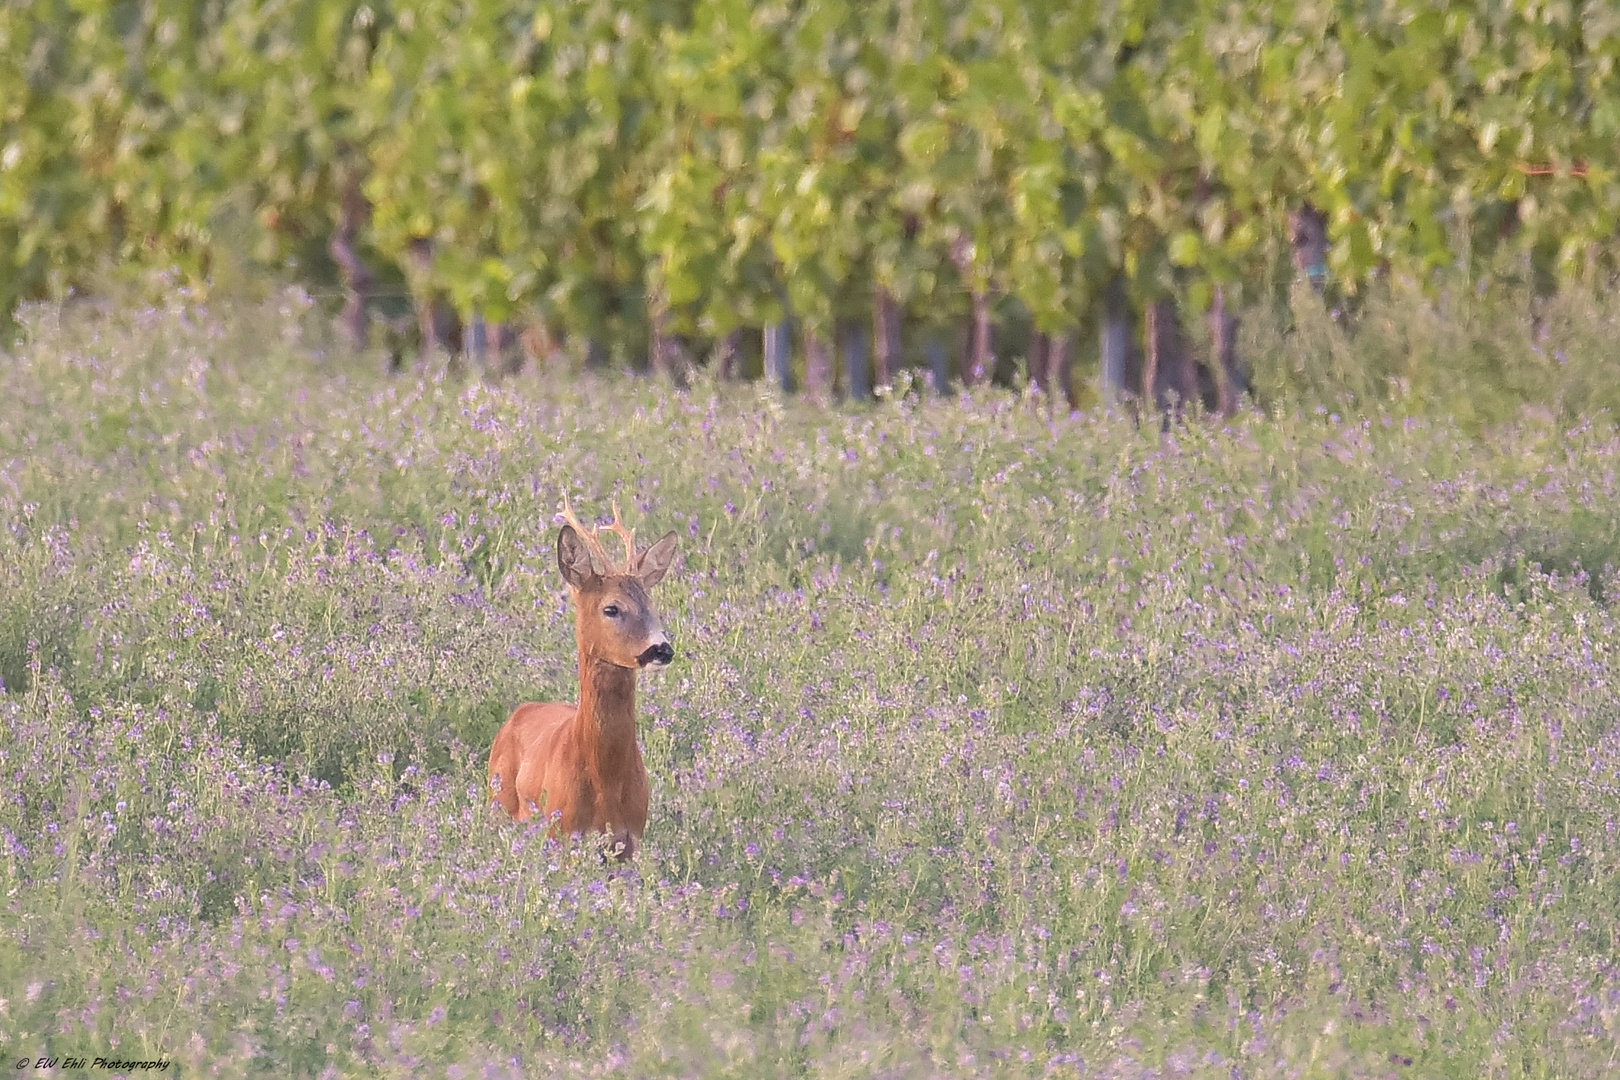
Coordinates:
x,y
607,713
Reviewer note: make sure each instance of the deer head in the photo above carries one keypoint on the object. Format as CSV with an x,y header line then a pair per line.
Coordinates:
x,y
614,615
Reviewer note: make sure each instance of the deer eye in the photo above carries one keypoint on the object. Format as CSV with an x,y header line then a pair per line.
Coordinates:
x,y
611,611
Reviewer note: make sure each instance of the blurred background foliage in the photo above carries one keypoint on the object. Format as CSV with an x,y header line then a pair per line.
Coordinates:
x,y
632,185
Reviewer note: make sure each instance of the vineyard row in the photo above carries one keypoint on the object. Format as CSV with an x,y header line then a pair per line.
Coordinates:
x,y
652,179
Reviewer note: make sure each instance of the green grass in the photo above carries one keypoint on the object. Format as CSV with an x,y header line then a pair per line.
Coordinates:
x,y
1485,353
994,746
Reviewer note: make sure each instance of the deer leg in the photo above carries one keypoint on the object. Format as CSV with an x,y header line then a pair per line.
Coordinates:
x,y
618,845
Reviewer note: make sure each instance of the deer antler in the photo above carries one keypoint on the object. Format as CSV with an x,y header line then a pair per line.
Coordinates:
x,y
632,561
592,537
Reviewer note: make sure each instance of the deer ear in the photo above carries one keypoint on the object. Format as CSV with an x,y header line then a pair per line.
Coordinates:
x,y
656,561
574,558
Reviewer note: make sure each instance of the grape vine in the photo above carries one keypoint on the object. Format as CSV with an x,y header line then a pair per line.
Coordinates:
x,y
689,168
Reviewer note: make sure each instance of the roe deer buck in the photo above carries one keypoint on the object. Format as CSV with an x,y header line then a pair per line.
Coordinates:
x,y
579,765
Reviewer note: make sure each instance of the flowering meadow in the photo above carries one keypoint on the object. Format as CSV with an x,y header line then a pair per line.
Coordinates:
x,y
995,744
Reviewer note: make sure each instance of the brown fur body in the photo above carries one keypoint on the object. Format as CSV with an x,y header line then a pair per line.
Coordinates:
x,y
580,765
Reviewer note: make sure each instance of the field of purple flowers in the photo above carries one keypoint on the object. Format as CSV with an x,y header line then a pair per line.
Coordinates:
x,y
994,746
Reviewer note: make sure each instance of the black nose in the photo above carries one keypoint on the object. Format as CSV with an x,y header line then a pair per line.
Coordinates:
x,y
659,654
